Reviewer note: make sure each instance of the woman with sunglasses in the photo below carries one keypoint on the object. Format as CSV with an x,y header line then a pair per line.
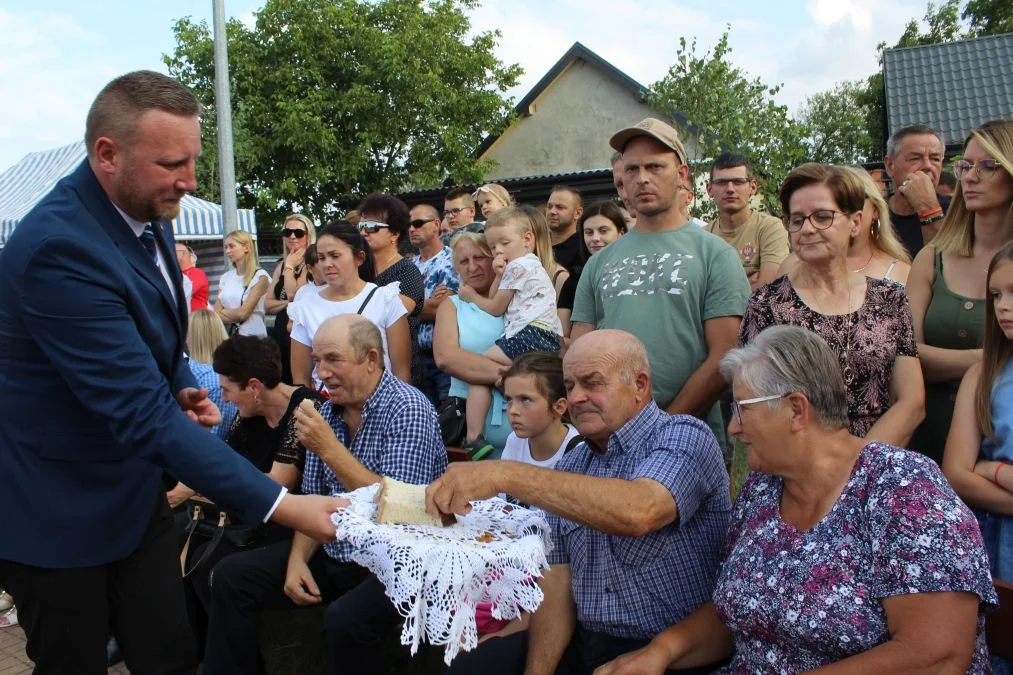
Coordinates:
x,y
384,225
947,280
290,274
865,321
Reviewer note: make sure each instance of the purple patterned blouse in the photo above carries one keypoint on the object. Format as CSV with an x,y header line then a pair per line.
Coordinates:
x,y
880,331
800,600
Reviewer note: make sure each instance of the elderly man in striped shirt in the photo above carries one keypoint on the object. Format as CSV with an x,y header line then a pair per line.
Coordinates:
x,y
638,514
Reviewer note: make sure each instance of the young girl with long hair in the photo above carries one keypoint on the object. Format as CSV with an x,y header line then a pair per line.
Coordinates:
x,y
241,290
979,447
525,299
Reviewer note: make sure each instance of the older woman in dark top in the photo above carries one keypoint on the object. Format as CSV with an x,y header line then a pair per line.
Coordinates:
x,y
866,322
843,555
384,225
263,431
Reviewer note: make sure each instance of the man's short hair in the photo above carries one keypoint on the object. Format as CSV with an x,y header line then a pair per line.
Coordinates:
x,y
427,211
460,193
116,109
362,336
243,357
616,158
731,160
578,198
893,146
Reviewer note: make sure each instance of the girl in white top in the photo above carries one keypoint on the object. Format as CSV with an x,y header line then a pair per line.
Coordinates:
x,y
536,404
347,266
525,299
241,290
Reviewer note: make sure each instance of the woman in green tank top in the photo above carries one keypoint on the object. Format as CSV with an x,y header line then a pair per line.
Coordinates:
x,y
946,286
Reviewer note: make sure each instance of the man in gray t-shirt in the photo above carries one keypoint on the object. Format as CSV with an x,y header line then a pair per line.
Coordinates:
x,y
681,290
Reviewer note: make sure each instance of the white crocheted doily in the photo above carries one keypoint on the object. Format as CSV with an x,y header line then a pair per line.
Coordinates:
x,y
437,575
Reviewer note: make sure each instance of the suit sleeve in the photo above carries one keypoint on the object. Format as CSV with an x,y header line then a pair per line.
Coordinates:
x,y
75,308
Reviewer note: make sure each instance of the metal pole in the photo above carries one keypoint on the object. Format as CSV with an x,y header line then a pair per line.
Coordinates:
x,y
223,105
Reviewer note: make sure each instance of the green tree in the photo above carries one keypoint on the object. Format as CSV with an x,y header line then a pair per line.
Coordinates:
x,y
717,108
836,125
989,17
336,98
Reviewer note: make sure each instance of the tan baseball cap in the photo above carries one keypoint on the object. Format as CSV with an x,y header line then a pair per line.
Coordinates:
x,y
656,129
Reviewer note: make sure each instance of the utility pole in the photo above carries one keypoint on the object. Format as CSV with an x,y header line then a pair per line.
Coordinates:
x,y
223,105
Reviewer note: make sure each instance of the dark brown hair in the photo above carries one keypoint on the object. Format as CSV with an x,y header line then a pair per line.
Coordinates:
x,y
996,350
606,209
548,372
244,357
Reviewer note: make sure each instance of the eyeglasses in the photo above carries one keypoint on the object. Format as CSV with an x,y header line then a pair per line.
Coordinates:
x,y
821,219
456,211
736,406
419,222
289,232
725,182
983,168
371,226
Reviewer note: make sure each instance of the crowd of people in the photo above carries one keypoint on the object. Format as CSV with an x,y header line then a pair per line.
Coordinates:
x,y
601,362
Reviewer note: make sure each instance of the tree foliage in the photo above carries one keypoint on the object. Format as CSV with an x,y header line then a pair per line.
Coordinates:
x,y
836,125
717,108
336,98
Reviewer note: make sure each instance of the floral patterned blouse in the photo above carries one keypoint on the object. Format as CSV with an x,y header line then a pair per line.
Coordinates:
x,y
867,342
800,600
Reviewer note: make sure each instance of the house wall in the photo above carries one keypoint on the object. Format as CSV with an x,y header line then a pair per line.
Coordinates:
x,y
568,126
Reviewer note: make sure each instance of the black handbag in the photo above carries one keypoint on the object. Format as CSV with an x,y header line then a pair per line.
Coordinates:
x,y
453,424
211,524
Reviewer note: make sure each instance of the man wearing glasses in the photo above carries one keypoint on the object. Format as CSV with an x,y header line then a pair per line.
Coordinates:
x,y
759,238
435,263
459,210
914,162
188,264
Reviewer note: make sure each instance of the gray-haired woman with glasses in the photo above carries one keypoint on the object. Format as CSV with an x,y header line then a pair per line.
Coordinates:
x,y
947,280
866,322
840,550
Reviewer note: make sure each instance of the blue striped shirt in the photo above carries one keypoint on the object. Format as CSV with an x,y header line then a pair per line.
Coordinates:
x,y
207,377
399,436
635,587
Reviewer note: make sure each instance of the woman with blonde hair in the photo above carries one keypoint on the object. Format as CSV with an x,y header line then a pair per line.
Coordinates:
x,y
290,274
875,250
947,282
491,198
241,290
205,332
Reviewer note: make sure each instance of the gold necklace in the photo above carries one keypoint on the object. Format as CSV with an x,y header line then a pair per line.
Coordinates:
x,y
867,263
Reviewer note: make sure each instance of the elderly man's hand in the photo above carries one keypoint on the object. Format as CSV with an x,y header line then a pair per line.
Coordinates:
x,y
312,430
920,191
463,483
645,661
198,407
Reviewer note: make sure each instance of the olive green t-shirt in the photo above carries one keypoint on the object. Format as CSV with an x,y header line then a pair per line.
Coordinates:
x,y
662,286
761,239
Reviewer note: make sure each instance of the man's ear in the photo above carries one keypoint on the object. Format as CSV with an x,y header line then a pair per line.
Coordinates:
x,y
106,154
642,383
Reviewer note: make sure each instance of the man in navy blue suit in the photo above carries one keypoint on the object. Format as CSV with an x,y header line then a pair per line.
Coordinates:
x,y
97,401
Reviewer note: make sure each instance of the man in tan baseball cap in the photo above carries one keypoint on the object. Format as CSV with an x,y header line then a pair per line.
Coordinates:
x,y
656,129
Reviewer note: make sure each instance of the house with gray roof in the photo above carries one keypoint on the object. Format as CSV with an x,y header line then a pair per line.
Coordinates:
x,y
953,87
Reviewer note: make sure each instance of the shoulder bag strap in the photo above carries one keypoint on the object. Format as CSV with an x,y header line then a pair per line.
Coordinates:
x,y
366,301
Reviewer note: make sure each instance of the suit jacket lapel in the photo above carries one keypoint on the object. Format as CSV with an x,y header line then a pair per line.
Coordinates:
x,y
101,207
167,242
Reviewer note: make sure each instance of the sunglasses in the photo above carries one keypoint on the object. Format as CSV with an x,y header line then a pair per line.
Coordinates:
x,y
419,222
289,232
371,226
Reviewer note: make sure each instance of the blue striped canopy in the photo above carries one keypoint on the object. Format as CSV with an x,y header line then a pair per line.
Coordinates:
x,y
23,185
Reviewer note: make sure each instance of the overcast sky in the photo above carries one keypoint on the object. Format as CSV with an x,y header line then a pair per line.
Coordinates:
x,y
56,55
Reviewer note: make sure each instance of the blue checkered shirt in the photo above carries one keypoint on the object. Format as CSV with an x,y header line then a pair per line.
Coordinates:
x,y
208,378
437,270
399,437
635,587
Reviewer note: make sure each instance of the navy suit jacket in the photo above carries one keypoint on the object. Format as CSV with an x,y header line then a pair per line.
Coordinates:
x,y
91,348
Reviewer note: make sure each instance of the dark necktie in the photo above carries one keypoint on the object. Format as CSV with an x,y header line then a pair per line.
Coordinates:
x,y
148,239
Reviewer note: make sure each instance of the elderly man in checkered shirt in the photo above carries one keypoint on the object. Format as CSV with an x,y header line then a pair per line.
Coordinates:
x,y
638,515
373,426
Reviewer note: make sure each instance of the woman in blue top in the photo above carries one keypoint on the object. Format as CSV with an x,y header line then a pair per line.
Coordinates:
x,y
463,333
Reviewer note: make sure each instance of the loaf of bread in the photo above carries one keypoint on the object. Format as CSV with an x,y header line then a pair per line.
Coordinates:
x,y
405,504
